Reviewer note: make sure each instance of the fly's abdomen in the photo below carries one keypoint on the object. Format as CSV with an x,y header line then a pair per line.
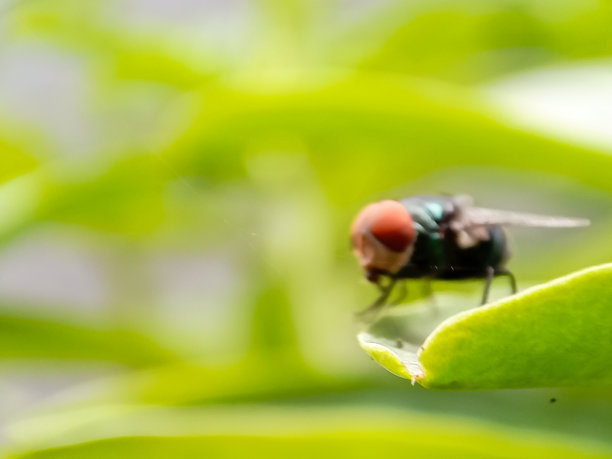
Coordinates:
x,y
465,262
498,254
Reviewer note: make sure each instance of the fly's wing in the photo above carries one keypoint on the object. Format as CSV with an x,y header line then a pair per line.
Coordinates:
x,y
479,216
470,223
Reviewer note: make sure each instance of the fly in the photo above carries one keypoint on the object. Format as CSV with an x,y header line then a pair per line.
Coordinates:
x,y
437,237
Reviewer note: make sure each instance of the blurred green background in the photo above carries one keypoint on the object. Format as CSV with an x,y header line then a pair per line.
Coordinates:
x,y
177,179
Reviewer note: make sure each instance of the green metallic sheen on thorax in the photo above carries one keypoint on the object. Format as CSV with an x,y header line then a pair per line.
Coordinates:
x,y
436,252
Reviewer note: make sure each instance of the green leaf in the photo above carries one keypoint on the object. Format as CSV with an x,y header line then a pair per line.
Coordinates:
x,y
185,383
362,444
482,41
34,338
268,431
122,198
387,126
554,335
13,161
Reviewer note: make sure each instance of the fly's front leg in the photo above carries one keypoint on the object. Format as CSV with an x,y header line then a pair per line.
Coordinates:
x,y
370,313
489,278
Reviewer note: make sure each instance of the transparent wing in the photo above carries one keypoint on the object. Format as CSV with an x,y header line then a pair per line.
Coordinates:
x,y
470,217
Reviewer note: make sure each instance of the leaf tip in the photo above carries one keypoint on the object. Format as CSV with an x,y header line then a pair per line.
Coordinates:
x,y
397,360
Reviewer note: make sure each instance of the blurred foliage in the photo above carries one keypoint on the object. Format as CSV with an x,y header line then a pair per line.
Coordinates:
x,y
15,161
251,133
342,434
38,337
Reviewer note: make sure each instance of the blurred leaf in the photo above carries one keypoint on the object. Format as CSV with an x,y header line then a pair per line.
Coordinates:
x,y
478,42
192,383
125,197
271,432
24,337
13,161
19,199
125,50
556,334
396,129
481,40
141,63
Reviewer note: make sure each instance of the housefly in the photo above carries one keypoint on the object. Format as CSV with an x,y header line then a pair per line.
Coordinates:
x,y
437,237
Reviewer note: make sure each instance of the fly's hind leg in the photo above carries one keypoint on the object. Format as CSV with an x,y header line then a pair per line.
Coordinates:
x,y
489,278
370,313
512,279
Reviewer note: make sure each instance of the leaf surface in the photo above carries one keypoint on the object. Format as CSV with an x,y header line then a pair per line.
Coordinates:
x,y
558,334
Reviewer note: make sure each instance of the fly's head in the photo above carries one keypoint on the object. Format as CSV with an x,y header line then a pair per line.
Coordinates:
x,y
383,237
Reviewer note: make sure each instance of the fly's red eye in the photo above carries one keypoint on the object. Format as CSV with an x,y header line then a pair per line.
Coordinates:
x,y
393,226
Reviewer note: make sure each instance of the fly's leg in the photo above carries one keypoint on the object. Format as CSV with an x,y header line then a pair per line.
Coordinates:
x,y
485,294
512,280
370,313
